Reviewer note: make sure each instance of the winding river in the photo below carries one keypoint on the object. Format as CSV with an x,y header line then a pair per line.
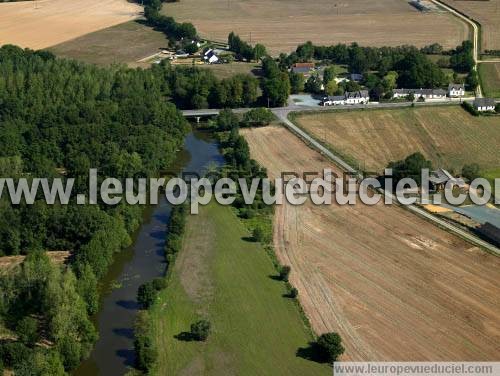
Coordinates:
x,y
113,353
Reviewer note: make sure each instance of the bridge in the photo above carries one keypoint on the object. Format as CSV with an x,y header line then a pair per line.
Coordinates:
x,y
210,112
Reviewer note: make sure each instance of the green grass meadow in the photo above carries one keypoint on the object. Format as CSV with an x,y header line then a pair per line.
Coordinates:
x,y
221,276
489,74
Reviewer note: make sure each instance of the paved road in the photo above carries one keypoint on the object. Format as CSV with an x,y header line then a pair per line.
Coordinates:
x,y
293,107
282,114
475,39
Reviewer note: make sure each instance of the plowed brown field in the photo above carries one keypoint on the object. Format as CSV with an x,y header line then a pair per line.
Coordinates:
x,y
393,285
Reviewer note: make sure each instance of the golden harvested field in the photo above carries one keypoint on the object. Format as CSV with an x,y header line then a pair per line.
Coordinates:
x,y
282,25
393,285
45,23
449,136
487,13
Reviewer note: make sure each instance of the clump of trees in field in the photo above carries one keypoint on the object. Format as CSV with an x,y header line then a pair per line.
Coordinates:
x,y
410,167
200,330
328,347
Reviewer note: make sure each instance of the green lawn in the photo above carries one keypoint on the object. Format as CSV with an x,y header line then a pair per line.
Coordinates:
x,y
489,74
491,175
228,70
222,277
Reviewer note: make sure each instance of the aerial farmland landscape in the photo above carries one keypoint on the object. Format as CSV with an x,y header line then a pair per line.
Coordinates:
x,y
249,187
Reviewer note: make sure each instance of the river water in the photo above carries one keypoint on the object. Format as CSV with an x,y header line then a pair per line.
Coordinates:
x,y
113,353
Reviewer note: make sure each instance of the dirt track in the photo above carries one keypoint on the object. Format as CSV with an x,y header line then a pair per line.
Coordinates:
x,y
487,13
42,24
394,286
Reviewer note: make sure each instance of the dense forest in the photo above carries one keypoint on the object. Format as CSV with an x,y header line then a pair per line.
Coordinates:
x,y
58,118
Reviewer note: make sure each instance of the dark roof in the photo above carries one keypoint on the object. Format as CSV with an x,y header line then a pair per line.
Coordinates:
x,y
335,98
484,102
456,86
357,94
347,95
420,91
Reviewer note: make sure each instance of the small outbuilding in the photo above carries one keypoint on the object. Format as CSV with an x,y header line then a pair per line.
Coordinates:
x,y
211,57
439,178
484,104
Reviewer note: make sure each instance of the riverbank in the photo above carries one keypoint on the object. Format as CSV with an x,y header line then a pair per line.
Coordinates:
x,y
143,261
223,276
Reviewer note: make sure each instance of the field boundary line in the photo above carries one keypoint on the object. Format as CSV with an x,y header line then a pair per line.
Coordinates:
x,y
315,144
476,40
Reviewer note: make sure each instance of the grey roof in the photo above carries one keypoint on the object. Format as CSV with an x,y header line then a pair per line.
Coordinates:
x,y
302,69
441,176
484,102
357,94
347,95
420,91
335,98
456,87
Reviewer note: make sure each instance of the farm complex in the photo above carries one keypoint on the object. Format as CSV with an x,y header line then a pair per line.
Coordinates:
x,y
371,273
281,26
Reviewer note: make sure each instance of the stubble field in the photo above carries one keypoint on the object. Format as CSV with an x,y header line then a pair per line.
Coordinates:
x,y
125,43
282,25
449,136
393,285
487,13
41,24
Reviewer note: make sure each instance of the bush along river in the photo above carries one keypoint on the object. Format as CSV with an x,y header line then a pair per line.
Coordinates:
x,y
143,261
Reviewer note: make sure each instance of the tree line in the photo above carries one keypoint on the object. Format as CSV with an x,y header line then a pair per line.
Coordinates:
x,y
58,119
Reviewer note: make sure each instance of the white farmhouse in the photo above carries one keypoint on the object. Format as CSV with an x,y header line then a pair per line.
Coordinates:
x,y
456,90
484,104
350,97
334,100
210,57
357,97
419,93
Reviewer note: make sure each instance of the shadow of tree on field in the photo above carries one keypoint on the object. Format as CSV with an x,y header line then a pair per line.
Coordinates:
x,y
184,336
310,353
